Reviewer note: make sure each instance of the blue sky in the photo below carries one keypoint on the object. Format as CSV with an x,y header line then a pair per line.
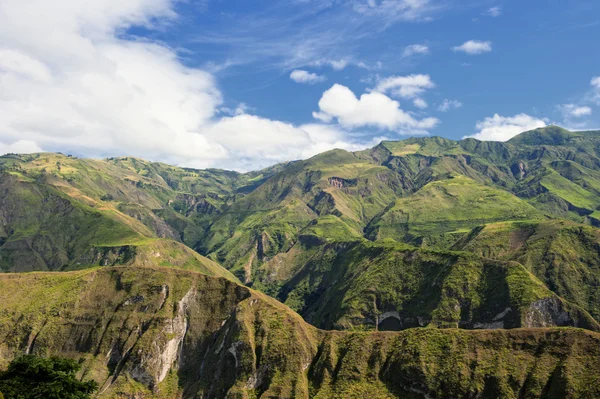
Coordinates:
x,y
544,53
244,84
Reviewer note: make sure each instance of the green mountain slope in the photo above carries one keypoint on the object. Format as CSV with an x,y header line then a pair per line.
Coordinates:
x,y
442,208
300,231
268,220
564,255
557,177
387,286
166,333
449,268
47,223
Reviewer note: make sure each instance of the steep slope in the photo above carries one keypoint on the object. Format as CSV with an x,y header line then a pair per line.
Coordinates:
x,y
47,224
45,229
552,170
243,220
388,286
564,255
433,215
184,198
268,220
299,231
167,333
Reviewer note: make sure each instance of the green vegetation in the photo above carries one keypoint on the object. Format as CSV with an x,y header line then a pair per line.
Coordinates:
x,y
427,235
300,231
167,333
33,377
390,286
570,191
563,255
447,207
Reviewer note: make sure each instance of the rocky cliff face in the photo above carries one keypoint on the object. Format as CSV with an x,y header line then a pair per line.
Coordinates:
x,y
167,333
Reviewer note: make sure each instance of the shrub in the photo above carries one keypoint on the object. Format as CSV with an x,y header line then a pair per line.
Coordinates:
x,y
29,377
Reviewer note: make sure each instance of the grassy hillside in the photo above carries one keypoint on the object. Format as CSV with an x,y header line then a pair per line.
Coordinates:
x,y
48,226
45,229
169,333
389,286
564,255
342,237
443,209
139,187
445,269
269,220
425,191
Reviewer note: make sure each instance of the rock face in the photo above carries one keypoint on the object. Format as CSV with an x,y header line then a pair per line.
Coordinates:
x,y
547,312
154,366
168,333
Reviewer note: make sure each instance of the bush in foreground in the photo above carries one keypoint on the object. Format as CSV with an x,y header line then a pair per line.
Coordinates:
x,y
32,377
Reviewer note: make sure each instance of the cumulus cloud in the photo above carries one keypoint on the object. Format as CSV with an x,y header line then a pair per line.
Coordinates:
x,y
405,86
302,76
595,82
575,111
240,109
474,47
500,128
258,142
20,147
415,49
71,81
447,105
371,109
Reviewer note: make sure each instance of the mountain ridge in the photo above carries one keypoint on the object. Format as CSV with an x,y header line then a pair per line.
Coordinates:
x,y
427,192
426,268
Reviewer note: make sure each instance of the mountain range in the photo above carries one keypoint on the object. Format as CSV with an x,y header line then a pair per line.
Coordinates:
x,y
421,268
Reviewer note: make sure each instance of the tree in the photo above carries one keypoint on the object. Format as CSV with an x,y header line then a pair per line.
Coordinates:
x,y
32,377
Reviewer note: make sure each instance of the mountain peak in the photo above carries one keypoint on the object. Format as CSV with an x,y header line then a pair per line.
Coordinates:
x,y
422,145
549,135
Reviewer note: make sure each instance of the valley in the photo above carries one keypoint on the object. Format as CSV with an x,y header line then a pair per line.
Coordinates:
x,y
418,268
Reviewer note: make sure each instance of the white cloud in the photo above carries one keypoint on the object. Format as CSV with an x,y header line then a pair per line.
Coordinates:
x,y
259,142
500,128
14,62
20,147
70,81
447,105
302,76
415,49
473,47
494,12
405,86
420,103
575,111
595,82
371,109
